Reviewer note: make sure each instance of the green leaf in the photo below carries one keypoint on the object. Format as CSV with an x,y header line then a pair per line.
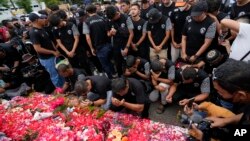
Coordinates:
x,y
30,135
100,113
91,109
25,4
61,109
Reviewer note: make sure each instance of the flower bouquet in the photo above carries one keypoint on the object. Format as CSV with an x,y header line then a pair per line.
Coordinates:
x,y
56,118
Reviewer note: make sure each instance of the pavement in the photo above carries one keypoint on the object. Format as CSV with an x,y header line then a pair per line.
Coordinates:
x,y
169,116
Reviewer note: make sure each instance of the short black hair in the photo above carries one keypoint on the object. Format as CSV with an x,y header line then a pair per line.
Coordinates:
x,y
135,4
54,7
14,19
144,1
130,61
81,87
5,22
233,75
63,68
189,73
156,66
213,5
54,19
125,1
91,8
43,12
111,11
118,84
62,14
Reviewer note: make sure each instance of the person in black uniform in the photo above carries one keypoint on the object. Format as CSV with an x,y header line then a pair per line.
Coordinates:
x,y
139,45
97,89
162,77
189,82
222,33
95,29
137,67
44,46
125,6
67,38
145,7
198,34
121,32
240,8
89,59
167,7
71,76
178,19
129,96
158,29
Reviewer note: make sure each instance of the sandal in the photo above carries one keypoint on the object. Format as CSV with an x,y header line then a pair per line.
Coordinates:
x,y
160,109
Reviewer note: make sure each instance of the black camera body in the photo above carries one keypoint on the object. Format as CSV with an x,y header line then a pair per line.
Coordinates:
x,y
31,71
208,132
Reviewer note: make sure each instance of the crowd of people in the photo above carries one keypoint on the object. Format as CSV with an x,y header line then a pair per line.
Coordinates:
x,y
123,56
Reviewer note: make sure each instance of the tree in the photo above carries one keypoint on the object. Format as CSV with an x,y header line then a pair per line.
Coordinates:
x,y
79,2
4,3
51,2
25,4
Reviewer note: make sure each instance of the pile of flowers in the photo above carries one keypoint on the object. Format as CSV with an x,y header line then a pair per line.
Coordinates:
x,y
46,117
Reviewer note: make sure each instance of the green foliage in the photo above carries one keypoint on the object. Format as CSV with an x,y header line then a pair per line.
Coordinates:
x,y
61,109
4,3
30,135
100,113
25,4
51,2
79,2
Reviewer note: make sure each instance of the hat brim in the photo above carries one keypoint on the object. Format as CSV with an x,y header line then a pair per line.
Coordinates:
x,y
194,14
153,21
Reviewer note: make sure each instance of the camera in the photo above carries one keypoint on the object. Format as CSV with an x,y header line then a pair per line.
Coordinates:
x,y
208,132
30,71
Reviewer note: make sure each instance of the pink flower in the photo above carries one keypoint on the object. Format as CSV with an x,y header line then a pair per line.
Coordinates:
x,y
59,90
57,102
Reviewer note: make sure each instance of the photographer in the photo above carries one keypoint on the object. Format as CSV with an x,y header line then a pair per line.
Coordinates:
x,y
35,75
232,81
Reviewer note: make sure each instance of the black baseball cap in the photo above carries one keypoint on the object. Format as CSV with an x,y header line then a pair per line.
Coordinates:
x,y
35,16
154,15
199,8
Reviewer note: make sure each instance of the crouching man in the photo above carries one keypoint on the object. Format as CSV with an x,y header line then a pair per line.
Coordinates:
x,y
129,97
97,89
